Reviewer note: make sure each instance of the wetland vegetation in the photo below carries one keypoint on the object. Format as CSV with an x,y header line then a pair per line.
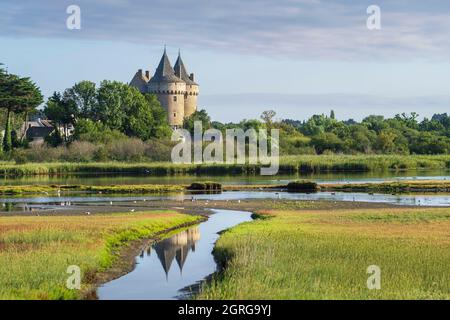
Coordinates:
x,y
288,165
39,249
313,254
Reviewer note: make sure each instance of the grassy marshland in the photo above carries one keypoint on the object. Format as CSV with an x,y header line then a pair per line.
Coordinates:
x,y
306,254
121,189
391,187
435,186
36,251
288,164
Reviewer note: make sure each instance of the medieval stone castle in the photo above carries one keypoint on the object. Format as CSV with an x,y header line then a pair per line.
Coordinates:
x,y
175,89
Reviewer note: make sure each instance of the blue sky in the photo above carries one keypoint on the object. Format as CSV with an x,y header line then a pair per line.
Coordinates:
x,y
298,57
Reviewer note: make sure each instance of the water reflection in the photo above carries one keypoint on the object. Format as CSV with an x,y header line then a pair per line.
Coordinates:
x,y
167,268
49,203
176,247
108,179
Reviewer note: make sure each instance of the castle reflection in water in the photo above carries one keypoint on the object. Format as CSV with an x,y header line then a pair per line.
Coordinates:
x,y
176,248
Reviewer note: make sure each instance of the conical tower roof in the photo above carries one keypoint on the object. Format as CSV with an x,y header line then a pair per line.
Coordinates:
x,y
180,71
164,72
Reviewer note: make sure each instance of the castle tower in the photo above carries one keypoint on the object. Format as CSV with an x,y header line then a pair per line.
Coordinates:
x,y
192,88
170,91
140,81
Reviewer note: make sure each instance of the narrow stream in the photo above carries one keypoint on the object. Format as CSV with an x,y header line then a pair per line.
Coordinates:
x,y
167,267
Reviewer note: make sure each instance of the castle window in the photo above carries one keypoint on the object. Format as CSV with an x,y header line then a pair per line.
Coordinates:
x,y
174,115
175,98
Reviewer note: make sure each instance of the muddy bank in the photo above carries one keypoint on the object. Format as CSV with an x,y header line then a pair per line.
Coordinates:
x,y
199,207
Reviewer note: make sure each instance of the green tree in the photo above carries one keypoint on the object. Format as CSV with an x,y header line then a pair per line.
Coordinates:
x,y
110,109
267,117
332,115
17,95
84,95
202,116
62,111
327,141
138,120
95,132
160,128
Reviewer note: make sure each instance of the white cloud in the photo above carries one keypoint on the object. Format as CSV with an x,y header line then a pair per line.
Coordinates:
x,y
309,29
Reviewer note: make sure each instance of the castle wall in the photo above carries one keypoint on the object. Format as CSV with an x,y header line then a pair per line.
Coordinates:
x,y
190,100
171,96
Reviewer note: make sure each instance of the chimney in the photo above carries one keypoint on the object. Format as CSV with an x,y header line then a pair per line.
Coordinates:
x,y
191,77
147,74
140,71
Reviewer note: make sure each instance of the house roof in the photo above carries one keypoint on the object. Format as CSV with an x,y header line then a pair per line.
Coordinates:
x,y
39,132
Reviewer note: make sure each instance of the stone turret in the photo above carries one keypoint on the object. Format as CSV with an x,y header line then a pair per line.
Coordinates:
x,y
175,89
170,91
192,88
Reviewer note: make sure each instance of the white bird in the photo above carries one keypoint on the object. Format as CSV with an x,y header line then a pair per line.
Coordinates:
x,y
87,212
110,202
132,210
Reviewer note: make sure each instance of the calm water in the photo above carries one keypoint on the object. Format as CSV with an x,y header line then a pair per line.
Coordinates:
x,y
90,179
61,203
169,266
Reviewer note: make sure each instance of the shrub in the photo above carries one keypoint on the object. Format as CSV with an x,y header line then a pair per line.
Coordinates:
x,y
80,151
158,150
126,149
95,132
205,186
303,186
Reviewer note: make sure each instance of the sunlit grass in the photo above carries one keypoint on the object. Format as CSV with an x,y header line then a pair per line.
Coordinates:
x,y
288,164
108,189
325,255
36,251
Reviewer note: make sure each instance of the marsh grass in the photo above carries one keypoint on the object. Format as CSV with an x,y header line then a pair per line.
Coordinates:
x,y
391,187
109,189
36,251
288,165
325,254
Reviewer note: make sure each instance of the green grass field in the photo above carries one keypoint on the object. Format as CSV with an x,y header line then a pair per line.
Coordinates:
x,y
288,164
35,252
305,254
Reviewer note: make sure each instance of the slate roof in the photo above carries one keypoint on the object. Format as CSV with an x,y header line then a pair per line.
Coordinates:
x,y
164,72
180,71
139,81
39,132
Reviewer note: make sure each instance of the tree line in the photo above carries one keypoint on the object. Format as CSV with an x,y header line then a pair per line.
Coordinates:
x,y
115,111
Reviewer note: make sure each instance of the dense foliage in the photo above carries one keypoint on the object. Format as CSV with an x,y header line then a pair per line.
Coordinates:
x,y
17,96
403,134
110,111
116,122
